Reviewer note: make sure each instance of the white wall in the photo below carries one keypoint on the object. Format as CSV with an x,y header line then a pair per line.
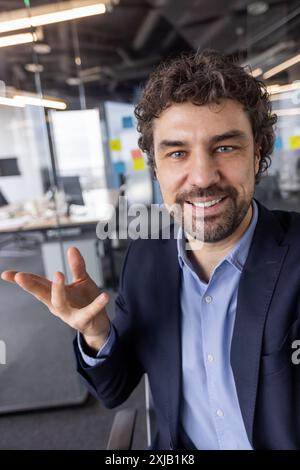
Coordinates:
x,y
78,146
23,135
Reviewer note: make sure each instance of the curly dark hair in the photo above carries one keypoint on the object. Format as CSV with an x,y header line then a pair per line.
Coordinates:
x,y
204,78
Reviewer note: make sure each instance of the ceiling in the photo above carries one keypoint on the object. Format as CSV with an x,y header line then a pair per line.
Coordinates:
x,y
119,49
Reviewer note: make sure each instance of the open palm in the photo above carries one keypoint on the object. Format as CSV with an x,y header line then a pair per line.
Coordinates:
x,y
78,304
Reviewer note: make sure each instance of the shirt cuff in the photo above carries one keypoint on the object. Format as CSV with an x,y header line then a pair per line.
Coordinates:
x,y
103,352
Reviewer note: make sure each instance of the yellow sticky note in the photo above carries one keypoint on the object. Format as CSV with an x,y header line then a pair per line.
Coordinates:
x,y
138,164
294,142
115,145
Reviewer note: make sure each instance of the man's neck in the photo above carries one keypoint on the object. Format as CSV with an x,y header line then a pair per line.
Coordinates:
x,y
205,256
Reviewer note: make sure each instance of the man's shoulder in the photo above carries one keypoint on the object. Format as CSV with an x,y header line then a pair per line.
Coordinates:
x,y
285,217
153,250
288,222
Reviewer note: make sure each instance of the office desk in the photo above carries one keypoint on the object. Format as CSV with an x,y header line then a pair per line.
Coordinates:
x,y
94,211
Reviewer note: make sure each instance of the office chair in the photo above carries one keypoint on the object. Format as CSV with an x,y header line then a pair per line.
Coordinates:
x,y
123,427
72,189
20,239
109,245
122,431
22,244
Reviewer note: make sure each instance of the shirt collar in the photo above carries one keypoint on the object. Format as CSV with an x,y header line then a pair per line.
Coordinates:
x,y
237,256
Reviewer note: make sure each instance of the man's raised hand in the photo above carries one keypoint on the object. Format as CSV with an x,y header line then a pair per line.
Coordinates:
x,y
78,304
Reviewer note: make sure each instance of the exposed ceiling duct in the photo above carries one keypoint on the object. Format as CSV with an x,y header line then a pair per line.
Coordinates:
x,y
117,50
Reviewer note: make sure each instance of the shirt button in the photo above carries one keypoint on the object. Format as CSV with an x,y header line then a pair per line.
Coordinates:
x,y
220,413
210,358
208,299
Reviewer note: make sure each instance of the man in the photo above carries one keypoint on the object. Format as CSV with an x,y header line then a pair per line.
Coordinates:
x,y
211,321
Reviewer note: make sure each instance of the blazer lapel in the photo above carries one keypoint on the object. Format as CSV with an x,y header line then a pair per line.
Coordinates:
x,y
169,304
256,287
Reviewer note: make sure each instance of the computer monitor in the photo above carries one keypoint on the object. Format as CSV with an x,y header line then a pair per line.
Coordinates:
x,y
3,200
72,189
9,167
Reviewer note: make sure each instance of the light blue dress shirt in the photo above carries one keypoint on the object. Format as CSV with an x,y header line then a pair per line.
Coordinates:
x,y
210,411
102,353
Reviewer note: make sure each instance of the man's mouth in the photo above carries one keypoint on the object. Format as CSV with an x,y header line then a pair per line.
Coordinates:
x,y
205,204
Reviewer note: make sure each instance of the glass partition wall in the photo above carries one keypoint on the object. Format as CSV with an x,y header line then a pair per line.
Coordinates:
x,y
59,169
273,53
52,169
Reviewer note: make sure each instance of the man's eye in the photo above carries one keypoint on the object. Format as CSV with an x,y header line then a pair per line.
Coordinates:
x,y
224,149
177,154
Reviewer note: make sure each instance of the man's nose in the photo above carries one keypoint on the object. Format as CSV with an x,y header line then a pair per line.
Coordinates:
x,y
203,171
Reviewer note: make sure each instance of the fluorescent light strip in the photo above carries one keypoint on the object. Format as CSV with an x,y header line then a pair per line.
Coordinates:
x,y
287,111
16,39
285,65
256,72
53,17
282,96
47,103
274,89
22,38
19,101
10,102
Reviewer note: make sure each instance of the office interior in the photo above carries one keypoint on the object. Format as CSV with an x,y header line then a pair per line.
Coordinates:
x,y
68,147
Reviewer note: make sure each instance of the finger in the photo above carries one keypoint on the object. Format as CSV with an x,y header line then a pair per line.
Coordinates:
x,y
34,278
96,306
36,285
84,317
76,263
8,276
58,294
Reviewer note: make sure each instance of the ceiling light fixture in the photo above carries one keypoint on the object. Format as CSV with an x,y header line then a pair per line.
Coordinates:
x,y
36,101
287,111
49,14
73,81
22,38
260,60
283,66
281,96
257,8
274,89
256,72
42,48
10,102
33,68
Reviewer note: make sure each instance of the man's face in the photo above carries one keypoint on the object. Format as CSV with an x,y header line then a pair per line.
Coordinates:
x,y
205,163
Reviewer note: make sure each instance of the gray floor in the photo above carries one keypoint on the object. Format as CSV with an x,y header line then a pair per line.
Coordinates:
x,y
40,372
84,428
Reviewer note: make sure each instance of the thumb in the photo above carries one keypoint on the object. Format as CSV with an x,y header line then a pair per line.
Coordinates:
x,y
98,304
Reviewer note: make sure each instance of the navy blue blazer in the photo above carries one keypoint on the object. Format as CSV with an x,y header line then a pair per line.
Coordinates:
x,y
267,321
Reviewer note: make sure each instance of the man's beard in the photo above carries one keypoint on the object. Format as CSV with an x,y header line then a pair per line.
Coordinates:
x,y
215,227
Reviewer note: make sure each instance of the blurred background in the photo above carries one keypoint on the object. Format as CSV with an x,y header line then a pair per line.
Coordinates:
x,y
70,75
